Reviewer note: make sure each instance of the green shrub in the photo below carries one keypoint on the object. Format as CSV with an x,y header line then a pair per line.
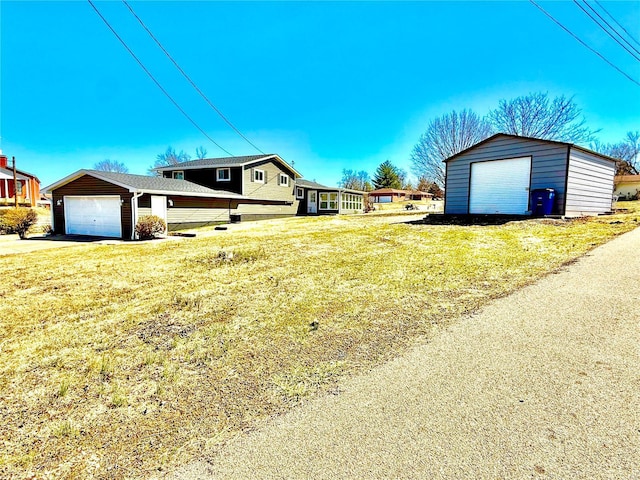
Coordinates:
x,y
149,226
17,220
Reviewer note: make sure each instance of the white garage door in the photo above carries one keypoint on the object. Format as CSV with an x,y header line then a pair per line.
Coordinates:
x,y
99,216
384,199
500,186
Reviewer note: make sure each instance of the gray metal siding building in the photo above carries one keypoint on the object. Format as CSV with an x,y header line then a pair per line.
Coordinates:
x,y
582,180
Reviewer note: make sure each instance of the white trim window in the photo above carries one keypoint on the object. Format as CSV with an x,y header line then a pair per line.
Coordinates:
x,y
223,174
258,175
328,201
299,193
351,201
178,175
283,180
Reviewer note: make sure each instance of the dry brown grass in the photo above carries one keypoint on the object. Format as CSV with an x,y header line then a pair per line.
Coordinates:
x,y
123,361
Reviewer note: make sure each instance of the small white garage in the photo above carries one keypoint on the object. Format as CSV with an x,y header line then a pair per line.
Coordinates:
x,y
496,176
98,215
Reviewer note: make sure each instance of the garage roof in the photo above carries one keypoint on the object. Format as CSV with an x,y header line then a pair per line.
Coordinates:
x,y
147,184
571,145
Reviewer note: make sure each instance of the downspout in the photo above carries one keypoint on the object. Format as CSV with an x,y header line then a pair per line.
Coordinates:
x,y
134,212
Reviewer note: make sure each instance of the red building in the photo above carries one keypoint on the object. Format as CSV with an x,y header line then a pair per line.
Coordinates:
x,y
27,185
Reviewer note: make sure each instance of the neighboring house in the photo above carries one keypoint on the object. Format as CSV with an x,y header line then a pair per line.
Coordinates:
x,y
316,199
28,186
627,187
495,176
261,177
190,194
390,195
108,204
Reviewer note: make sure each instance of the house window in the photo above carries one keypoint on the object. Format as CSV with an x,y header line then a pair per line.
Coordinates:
x,y
179,175
328,201
224,174
299,193
351,201
284,180
258,175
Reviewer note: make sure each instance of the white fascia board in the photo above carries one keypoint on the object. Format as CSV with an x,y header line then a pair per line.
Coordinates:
x,y
64,181
79,173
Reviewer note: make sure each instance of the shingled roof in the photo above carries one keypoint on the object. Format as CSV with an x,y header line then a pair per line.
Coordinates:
x,y
226,162
301,182
147,184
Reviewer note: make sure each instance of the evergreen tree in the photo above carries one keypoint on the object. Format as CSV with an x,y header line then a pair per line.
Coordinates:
x,y
387,176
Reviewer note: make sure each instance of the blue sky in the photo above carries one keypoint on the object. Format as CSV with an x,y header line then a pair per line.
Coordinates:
x,y
328,85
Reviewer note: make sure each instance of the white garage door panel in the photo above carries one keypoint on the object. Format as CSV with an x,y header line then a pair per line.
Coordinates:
x,y
500,186
99,216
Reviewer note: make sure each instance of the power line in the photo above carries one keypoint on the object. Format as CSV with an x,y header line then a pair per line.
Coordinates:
x,y
156,81
583,43
189,79
613,29
607,31
617,23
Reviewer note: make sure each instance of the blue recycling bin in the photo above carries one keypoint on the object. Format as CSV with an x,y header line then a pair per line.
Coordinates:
x,y
542,201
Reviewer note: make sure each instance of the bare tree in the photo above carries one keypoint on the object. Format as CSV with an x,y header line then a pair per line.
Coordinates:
x,y
168,158
534,115
627,153
356,180
445,136
201,152
107,165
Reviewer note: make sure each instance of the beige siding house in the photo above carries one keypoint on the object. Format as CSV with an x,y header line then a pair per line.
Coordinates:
x,y
627,187
267,180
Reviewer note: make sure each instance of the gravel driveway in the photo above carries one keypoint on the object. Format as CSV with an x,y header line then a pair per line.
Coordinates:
x,y
544,383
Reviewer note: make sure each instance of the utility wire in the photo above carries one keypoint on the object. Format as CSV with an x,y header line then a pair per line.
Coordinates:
x,y
583,43
613,29
189,79
617,23
634,55
156,81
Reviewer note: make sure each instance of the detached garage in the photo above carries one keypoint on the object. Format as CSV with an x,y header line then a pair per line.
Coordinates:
x,y
108,204
497,175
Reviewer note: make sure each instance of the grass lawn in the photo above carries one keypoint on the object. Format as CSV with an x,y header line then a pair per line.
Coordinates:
x,y
127,360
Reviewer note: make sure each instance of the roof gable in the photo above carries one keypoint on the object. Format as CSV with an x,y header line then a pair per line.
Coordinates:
x,y
9,171
146,184
508,135
203,163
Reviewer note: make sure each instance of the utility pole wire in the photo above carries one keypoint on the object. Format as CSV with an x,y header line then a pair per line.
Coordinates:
x,y
634,55
617,23
613,29
228,122
156,81
581,42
